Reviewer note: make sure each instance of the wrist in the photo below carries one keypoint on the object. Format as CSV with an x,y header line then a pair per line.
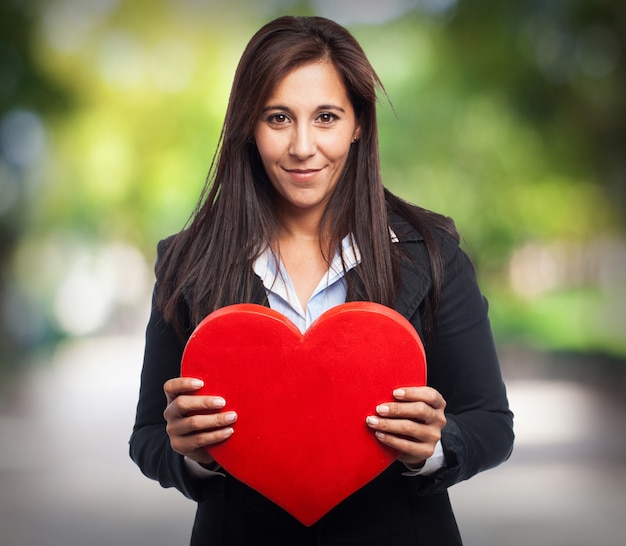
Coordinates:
x,y
414,465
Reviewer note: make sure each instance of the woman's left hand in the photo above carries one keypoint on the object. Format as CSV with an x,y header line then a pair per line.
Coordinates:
x,y
411,424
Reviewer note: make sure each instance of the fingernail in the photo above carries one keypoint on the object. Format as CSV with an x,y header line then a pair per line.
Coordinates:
x,y
399,393
371,420
197,383
230,417
219,402
379,435
228,431
382,409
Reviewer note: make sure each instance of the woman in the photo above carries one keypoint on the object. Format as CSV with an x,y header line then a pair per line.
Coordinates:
x,y
295,216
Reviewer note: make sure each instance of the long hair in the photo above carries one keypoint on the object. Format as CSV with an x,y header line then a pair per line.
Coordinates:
x,y
209,264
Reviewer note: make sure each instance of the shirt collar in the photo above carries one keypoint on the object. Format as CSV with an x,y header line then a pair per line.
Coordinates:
x,y
271,271
269,268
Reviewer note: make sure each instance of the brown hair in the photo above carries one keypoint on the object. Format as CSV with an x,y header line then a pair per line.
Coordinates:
x,y
209,264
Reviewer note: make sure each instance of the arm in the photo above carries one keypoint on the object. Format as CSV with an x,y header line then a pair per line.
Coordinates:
x,y
149,443
162,421
463,366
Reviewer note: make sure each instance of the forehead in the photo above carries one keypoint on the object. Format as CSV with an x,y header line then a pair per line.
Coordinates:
x,y
316,82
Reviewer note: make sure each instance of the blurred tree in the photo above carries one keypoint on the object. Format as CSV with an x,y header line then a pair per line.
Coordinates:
x,y
560,70
511,118
562,66
507,116
26,94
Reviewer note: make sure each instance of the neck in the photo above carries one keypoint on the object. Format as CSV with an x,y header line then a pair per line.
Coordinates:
x,y
300,225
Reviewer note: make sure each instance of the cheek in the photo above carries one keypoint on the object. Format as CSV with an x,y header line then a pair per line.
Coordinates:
x,y
335,148
339,155
269,148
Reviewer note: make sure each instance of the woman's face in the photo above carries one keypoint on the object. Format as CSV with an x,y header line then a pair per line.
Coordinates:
x,y
304,135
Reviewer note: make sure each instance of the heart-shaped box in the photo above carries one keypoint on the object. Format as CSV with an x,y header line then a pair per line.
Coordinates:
x,y
302,399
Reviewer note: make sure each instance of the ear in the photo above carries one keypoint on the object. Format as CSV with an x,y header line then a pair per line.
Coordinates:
x,y
357,133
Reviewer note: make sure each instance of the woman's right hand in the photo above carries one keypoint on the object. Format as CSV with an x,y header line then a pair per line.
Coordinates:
x,y
193,421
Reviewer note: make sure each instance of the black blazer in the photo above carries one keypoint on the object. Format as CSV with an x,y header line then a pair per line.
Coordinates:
x,y
392,509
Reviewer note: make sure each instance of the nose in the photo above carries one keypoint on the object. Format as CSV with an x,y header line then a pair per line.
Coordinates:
x,y
302,143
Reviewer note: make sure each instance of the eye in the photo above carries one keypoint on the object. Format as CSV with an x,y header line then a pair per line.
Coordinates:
x,y
277,119
326,118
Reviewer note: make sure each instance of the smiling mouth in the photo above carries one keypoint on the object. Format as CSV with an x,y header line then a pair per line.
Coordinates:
x,y
302,171
302,175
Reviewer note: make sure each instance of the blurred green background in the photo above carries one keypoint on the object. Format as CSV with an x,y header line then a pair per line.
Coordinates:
x,y
509,117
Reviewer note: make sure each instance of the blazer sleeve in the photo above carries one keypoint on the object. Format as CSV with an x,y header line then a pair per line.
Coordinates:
x,y
463,366
150,447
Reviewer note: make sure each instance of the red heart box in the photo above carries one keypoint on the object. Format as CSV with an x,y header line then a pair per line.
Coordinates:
x,y
300,438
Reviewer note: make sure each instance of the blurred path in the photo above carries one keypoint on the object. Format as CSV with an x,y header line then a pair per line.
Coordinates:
x,y
565,484
66,479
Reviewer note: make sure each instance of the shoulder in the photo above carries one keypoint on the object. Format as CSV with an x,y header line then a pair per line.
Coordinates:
x,y
163,245
425,232
170,250
424,221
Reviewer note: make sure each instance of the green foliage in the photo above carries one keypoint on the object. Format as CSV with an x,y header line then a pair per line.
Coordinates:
x,y
509,117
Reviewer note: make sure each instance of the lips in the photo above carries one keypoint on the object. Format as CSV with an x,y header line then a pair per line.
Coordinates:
x,y
302,175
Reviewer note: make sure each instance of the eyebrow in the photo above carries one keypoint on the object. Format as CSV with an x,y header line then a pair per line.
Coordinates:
x,y
287,109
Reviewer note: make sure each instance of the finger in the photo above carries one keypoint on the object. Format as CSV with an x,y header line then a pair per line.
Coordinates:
x,y
213,437
410,451
405,428
181,385
190,444
204,422
418,411
187,404
412,439
199,423
205,408
420,394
